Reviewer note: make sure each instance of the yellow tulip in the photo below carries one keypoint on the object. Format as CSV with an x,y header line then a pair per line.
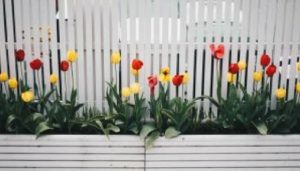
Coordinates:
x,y
115,58
72,56
164,75
12,83
298,87
231,78
242,65
53,79
257,76
27,96
298,66
135,88
280,93
186,78
3,77
125,92
134,71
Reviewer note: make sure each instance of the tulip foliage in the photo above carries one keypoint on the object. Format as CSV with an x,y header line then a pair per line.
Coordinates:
x,y
25,109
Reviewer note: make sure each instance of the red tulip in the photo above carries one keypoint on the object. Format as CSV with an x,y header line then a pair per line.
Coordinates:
x,y
64,65
234,68
152,82
137,64
265,60
36,64
20,55
177,80
218,52
271,70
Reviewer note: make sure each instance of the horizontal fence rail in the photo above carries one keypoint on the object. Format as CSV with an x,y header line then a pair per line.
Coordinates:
x,y
174,33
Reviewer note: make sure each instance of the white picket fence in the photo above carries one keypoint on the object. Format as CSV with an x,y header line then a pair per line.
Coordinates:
x,y
175,33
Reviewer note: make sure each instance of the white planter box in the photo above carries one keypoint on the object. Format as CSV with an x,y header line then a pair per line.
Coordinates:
x,y
123,152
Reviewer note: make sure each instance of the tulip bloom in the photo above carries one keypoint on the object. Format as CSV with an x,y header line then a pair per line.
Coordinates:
x,y
115,58
257,76
134,71
36,64
242,65
164,75
177,80
265,60
298,66
298,88
234,68
231,78
3,77
135,88
125,92
64,65
152,82
20,55
12,83
186,78
280,93
27,96
72,56
271,70
53,79
137,64
218,52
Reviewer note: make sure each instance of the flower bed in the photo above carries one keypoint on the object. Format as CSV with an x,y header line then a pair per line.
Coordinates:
x,y
25,109
125,152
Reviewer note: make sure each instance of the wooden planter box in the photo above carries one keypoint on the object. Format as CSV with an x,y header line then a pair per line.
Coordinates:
x,y
124,152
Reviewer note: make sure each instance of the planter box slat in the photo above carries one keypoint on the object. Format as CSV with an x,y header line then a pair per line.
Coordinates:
x,y
221,157
223,169
72,164
72,157
71,169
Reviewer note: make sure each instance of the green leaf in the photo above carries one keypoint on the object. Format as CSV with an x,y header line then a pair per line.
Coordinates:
x,y
146,130
112,128
171,132
42,127
261,127
149,141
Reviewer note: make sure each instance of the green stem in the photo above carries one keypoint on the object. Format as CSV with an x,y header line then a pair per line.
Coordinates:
x,y
116,75
65,78
72,72
39,84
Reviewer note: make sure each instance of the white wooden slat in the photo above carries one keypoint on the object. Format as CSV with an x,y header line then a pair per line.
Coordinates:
x,y
244,36
35,29
277,50
287,45
124,40
156,33
294,50
183,39
174,42
52,35
189,89
3,62
208,56
44,44
98,55
27,40
114,34
71,36
252,46
88,46
164,34
73,169
18,23
225,169
10,38
271,26
65,82
132,45
227,25
106,44
80,48
200,36
261,38
235,33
